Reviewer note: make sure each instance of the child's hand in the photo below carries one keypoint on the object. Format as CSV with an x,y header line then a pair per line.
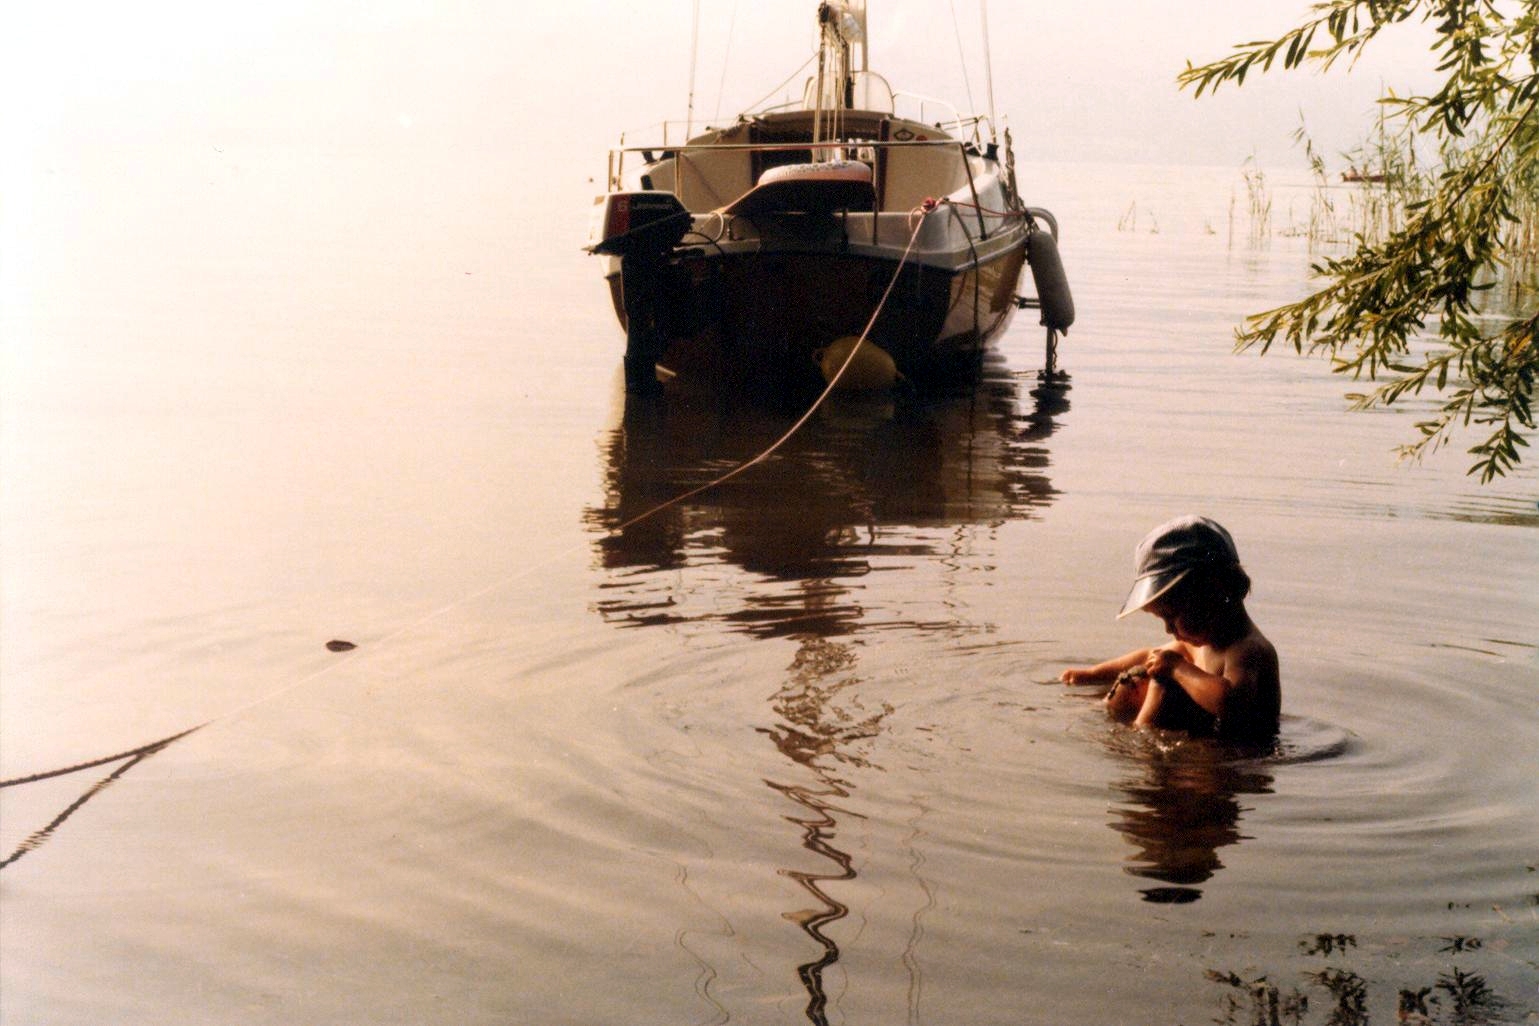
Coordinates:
x,y
1162,662
1077,676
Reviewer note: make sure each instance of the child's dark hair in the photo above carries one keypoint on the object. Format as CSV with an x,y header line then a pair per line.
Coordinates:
x,y
1228,581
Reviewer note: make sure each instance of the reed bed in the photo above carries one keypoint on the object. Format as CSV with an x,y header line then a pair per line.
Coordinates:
x,y
1385,182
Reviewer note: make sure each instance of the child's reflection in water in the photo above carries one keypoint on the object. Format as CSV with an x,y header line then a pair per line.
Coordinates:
x,y
1180,809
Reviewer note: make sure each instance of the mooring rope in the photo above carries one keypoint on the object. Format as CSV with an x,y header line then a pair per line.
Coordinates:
x,y
133,756
833,382
138,755
149,749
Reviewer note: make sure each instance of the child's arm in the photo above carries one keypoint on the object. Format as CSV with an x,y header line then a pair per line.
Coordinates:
x,y
1102,673
1154,697
1170,668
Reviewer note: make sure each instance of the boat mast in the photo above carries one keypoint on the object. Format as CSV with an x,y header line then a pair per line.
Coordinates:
x,y
857,12
694,55
988,62
842,26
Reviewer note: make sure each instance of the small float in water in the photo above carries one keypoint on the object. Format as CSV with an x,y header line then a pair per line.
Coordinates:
x,y
750,248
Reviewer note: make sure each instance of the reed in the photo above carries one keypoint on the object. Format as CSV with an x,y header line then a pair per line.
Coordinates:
x,y
1323,226
1386,182
1520,239
1258,203
1128,222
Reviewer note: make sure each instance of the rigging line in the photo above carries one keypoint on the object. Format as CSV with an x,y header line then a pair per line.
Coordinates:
x,y
956,27
694,50
782,85
726,62
988,61
985,210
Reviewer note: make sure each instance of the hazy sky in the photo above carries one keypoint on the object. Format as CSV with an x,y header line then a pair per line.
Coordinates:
x,y
1093,79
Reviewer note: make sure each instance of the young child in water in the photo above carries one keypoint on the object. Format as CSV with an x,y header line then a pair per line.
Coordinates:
x,y
1219,677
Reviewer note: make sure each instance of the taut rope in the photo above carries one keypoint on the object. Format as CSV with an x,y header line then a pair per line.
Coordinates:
x,y
134,756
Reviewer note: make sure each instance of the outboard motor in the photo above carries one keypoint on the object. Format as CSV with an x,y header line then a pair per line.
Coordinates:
x,y
642,229
631,222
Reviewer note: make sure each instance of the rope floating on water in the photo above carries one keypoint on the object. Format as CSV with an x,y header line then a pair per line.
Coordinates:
x,y
133,756
132,753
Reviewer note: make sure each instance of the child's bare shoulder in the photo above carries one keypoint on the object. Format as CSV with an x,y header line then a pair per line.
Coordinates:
x,y
1252,657
1190,653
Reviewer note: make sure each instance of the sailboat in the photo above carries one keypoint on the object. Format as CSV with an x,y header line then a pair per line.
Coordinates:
x,y
855,212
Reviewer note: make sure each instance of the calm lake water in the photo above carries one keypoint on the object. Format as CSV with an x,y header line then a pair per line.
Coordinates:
x,y
791,751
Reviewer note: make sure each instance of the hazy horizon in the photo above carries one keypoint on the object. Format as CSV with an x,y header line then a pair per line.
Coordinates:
x,y
1094,81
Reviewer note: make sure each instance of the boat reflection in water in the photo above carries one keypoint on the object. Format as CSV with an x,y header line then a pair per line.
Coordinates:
x,y
868,484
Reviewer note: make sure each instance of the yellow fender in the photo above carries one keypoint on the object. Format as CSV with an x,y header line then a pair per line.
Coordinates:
x,y
872,369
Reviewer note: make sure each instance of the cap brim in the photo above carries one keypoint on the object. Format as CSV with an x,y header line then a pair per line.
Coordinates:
x,y
1147,589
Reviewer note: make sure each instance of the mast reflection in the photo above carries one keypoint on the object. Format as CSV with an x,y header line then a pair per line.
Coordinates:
x,y
780,551
862,486
821,724
819,829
